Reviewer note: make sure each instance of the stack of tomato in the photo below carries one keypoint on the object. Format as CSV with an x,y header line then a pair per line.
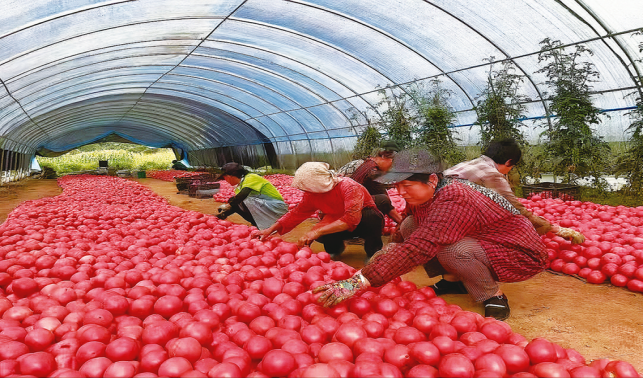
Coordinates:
x,y
613,249
108,280
169,175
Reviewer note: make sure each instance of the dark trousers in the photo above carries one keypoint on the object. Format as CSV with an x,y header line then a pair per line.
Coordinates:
x,y
369,229
242,210
383,203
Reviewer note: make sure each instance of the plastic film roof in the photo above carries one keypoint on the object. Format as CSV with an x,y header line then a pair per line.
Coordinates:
x,y
203,74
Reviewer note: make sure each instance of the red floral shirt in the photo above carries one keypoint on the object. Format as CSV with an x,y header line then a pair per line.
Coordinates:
x,y
345,202
513,247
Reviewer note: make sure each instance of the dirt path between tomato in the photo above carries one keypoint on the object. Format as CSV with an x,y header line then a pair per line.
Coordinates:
x,y
599,321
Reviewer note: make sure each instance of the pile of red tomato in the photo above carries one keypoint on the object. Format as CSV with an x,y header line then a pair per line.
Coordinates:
x,y
169,175
613,249
108,280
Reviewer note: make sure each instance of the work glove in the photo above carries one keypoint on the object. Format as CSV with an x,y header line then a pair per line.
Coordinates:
x,y
389,247
573,235
336,292
224,207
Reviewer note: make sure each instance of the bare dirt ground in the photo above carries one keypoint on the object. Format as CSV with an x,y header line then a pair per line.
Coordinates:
x,y
599,321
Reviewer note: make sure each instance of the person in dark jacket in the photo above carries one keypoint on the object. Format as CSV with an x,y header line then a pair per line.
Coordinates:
x,y
374,167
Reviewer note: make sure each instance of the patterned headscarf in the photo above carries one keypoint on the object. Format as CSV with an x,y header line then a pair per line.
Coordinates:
x,y
315,177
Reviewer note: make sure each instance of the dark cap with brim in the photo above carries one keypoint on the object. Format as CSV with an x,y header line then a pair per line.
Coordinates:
x,y
408,163
393,177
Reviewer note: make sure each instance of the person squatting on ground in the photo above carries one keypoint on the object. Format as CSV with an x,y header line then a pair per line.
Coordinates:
x,y
469,234
490,170
349,211
255,199
374,167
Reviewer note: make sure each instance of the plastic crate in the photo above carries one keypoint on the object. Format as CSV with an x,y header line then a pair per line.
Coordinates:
x,y
184,183
566,192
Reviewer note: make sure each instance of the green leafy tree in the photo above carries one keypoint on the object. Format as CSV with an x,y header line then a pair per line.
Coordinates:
x,y
500,107
434,118
368,140
630,165
572,146
396,119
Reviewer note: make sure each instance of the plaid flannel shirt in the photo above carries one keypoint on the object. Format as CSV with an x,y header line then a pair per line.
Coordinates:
x,y
365,175
456,211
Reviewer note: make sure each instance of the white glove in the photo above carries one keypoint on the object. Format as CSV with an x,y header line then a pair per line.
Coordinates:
x,y
224,207
573,235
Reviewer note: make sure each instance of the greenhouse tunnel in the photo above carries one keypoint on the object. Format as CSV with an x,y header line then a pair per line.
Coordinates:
x,y
280,82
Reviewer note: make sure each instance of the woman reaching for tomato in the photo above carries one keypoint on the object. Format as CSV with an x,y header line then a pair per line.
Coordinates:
x,y
255,199
490,170
469,234
349,211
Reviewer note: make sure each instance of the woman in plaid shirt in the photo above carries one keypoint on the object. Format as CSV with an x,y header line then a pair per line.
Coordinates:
x,y
470,234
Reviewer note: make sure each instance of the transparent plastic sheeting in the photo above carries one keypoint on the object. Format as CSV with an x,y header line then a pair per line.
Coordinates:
x,y
300,75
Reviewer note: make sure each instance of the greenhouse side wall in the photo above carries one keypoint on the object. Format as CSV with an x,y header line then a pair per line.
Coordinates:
x,y
13,166
280,155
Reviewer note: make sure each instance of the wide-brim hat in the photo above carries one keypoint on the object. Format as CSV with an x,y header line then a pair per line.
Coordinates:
x,y
408,163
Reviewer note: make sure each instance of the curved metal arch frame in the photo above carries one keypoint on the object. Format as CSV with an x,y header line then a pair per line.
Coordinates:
x,y
125,133
387,35
81,83
112,28
325,101
306,36
508,57
618,43
221,94
212,133
91,51
67,112
340,98
213,100
274,137
298,85
170,132
259,85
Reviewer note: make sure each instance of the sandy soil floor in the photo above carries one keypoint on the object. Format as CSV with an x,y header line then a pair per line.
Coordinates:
x,y
599,321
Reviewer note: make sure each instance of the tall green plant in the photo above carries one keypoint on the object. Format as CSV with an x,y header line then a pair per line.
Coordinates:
x,y
630,165
396,118
500,106
434,118
368,140
572,145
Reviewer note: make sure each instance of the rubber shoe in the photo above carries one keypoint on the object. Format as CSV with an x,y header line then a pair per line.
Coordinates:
x,y
447,287
497,307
